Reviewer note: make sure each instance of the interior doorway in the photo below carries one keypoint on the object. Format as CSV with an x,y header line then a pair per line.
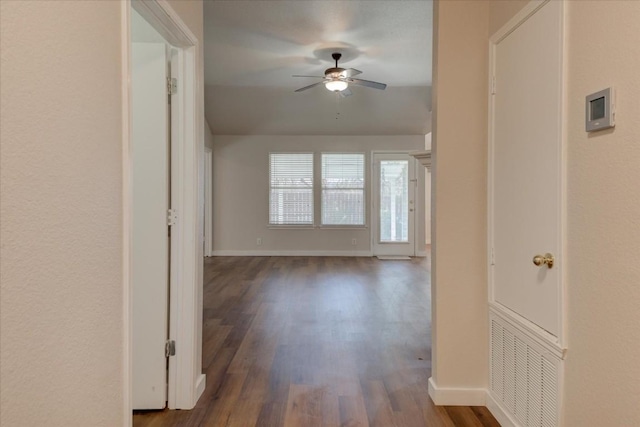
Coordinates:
x,y
178,380
151,261
208,202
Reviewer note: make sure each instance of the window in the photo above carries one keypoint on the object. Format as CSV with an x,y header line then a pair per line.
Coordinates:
x,y
342,189
291,188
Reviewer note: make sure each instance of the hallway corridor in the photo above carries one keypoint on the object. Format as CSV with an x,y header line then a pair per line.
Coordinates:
x,y
314,341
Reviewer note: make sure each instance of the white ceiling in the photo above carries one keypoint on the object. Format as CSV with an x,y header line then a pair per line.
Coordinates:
x,y
253,47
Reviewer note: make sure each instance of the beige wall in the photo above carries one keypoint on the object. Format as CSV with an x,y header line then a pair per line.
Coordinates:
x,y
241,193
602,377
62,317
603,361
459,195
61,167
501,11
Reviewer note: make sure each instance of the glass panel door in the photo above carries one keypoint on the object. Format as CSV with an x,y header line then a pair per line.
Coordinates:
x,y
394,204
394,201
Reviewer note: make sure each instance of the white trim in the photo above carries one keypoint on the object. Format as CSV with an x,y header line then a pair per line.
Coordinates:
x,y
291,253
208,201
456,396
183,322
502,416
127,217
422,254
201,384
185,379
530,329
564,159
166,22
423,157
375,199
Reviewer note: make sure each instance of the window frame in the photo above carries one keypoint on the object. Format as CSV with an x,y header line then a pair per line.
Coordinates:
x,y
317,188
365,189
313,191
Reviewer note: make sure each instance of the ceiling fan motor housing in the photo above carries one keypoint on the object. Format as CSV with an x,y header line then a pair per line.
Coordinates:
x,y
335,72
337,79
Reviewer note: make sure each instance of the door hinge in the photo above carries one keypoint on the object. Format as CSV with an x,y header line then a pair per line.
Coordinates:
x,y
172,217
493,85
169,348
172,85
493,257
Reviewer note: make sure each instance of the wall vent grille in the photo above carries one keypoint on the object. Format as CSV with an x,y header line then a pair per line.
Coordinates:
x,y
524,379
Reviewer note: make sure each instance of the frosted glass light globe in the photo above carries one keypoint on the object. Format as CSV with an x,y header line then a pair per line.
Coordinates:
x,y
336,85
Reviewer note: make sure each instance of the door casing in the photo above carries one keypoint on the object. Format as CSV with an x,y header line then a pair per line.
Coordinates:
x,y
185,380
417,220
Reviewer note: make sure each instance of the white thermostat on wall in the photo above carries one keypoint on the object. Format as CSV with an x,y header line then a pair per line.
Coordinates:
x,y
600,110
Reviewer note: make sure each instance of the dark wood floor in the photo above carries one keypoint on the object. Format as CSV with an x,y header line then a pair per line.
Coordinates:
x,y
301,341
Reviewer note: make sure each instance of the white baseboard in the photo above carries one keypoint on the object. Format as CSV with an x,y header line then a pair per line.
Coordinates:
x,y
457,396
201,383
501,416
291,253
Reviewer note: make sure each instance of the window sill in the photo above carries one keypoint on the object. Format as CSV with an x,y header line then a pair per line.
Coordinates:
x,y
313,227
342,227
290,227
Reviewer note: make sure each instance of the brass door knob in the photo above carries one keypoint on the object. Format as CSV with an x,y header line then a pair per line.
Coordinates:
x,y
543,259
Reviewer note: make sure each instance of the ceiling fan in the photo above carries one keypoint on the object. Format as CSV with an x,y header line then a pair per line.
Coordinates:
x,y
338,79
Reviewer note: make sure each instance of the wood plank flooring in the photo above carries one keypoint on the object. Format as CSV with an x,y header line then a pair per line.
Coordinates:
x,y
317,341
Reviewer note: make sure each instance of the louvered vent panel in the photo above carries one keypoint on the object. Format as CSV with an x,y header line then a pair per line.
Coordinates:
x,y
549,394
497,360
523,381
535,384
509,382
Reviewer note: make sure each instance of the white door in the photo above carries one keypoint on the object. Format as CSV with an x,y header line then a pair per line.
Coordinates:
x,y
150,255
394,204
526,172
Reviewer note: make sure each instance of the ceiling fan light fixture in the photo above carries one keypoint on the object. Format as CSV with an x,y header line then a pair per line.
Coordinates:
x,y
336,85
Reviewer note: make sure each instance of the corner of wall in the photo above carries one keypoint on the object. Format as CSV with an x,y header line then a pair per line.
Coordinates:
x,y
459,295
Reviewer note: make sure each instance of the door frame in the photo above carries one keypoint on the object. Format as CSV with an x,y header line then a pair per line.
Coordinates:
x,y
208,202
559,343
185,379
417,212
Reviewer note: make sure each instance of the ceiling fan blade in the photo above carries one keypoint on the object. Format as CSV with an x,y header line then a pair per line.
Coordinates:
x,y
368,83
345,93
297,75
308,87
350,72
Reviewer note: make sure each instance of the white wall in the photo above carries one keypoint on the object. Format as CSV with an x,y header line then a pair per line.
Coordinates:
x,y
62,341
603,360
241,194
61,331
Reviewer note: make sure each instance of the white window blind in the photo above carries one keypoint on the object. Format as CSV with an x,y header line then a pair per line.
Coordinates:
x,y
343,189
291,188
